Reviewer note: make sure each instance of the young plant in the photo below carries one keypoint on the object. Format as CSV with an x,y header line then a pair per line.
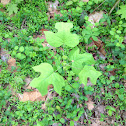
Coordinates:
x,y
80,62
110,110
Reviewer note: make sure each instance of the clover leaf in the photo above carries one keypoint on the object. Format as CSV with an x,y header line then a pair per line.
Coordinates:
x,y
63,36
47,77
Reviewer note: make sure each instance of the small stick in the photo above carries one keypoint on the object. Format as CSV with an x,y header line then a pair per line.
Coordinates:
x,y
98,6
117,2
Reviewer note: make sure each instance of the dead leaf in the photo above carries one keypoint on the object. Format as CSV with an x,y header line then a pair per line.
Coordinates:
x,y
100,46
11,62
31,96
95,17
52,8
49,96
97,122
4,2
99,109
42,30
4,55
27,86
90,103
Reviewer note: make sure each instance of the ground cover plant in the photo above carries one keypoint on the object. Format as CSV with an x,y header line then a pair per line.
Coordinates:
x,y
63,63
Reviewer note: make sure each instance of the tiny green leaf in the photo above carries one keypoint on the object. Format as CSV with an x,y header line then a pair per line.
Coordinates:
x,y
71,123
47,77
110,112
77,60
63,36
62,120
89,71
21,49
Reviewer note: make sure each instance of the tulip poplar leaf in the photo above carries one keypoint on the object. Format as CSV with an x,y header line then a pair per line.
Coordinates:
x,y
89,72
78,60
47,77
63,36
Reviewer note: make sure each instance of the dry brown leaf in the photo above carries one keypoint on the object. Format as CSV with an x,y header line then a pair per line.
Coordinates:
x,y
4,55
4,2
49,96
52,7
27,86
100,46
11,62
90,103
95,17
97,122
31,96
42,30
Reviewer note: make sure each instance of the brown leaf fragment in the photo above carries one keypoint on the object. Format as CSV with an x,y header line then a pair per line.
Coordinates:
x,y
95,17
42,30
97,122
90,46
100,46
52,8
49,96
27,86
4,55
31,96
11,62
90,103
4,2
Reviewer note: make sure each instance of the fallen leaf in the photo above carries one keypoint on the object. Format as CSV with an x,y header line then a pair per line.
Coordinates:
x,y
100,46
52,8
95,17
11,62
4,55
53,5
28,80
97,122
31,96
42,31
90,103
99,109
4,2
49,96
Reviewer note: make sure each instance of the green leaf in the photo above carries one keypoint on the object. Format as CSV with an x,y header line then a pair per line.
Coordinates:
x,y
71,123
62,120
21,49
12,8
110,112
122,11
95,38
63,36
97,1
47,77
89,71
78,59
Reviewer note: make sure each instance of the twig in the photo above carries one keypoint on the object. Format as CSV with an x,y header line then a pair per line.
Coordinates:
x,y
98,6
117,2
